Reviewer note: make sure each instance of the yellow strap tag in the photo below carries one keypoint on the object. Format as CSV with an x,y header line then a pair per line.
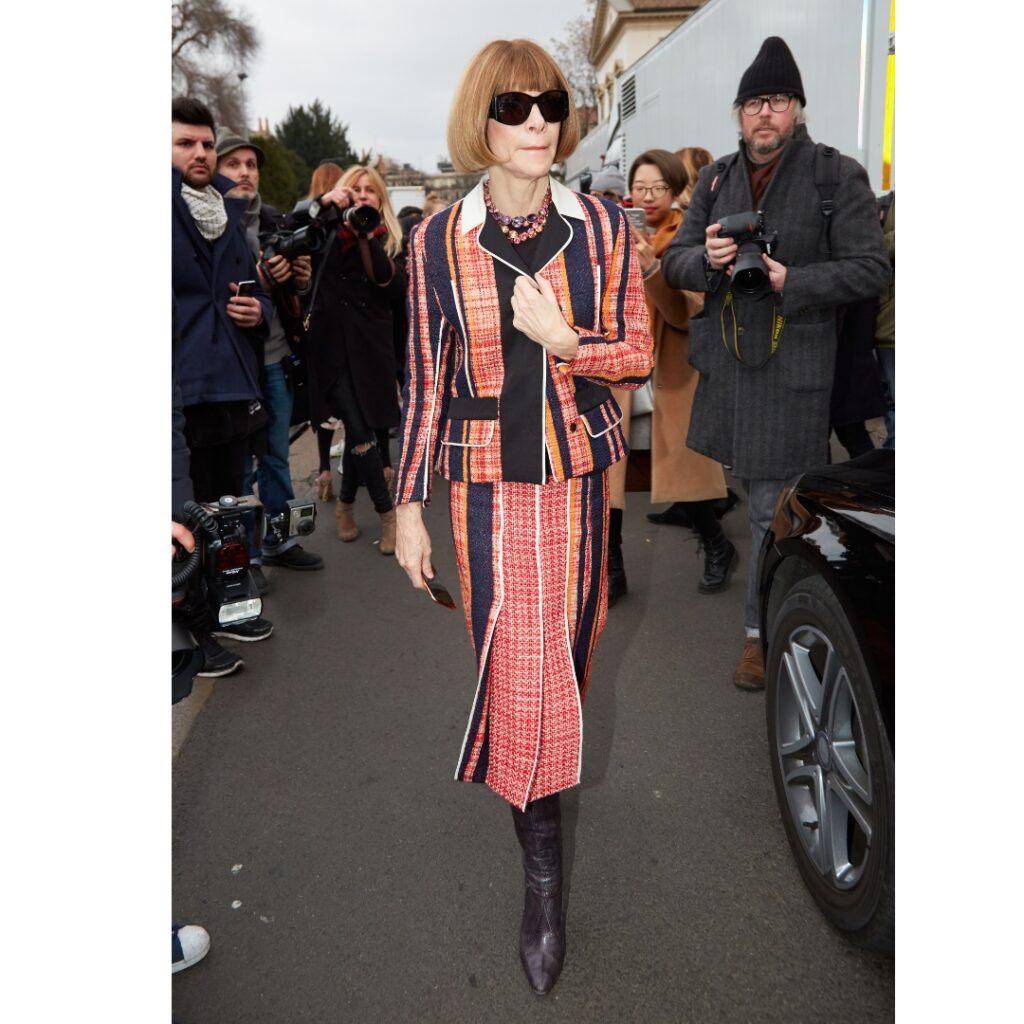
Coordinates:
x,y
778,322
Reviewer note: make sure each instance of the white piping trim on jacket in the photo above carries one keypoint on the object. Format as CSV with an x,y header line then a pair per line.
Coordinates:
x,y
471,444
499,490
540,609
465,338
429,469
600,433
572,482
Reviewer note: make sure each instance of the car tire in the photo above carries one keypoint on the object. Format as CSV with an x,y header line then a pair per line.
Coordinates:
x,y
832,764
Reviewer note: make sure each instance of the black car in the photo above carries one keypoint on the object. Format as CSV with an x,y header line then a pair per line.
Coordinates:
x,y
826,588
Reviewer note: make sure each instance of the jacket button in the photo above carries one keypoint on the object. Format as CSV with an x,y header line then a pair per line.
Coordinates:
x,y
572,427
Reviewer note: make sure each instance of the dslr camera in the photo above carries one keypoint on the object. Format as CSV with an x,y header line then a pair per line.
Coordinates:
x,y
361,219
749,232
312,224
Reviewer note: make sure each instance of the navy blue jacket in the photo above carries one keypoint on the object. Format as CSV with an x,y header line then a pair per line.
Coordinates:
x,y
217,360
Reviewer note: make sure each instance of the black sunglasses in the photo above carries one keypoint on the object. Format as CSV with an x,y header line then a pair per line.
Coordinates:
x,y
514,107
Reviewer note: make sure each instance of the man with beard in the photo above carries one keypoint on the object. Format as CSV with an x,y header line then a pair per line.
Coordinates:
x,y
220,347
241,160
765,344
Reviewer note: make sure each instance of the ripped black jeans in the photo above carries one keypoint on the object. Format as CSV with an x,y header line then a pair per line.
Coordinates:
x,y
343,403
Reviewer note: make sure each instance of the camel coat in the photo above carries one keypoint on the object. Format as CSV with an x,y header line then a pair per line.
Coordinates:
x,y
677,472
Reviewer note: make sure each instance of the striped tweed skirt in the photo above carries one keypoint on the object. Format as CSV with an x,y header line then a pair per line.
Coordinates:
x,y
532,573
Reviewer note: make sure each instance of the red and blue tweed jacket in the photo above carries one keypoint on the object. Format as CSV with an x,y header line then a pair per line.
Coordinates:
x,y
482,402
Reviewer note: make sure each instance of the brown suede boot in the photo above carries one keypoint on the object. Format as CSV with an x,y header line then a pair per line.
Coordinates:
x,y
388,524
345,521
749,673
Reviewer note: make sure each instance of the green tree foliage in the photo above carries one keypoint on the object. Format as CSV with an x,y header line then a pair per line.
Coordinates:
x,y
315,134
284,177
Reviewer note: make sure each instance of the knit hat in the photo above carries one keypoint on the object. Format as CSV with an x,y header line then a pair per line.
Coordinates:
x,y
228,140
774,70
608,179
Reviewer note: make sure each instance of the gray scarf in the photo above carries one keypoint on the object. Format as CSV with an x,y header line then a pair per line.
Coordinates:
x,y
207,209
251,220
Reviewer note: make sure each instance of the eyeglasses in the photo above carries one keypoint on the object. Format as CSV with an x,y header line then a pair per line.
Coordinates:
x,y
657,191
515,107
779,102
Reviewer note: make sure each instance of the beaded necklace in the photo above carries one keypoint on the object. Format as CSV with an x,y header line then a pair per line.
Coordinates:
x,y
519,229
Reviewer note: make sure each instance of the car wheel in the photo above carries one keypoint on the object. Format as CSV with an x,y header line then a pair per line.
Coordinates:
x,y
832,764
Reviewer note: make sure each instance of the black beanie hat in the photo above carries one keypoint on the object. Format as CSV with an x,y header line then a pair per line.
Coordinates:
x,y
774,70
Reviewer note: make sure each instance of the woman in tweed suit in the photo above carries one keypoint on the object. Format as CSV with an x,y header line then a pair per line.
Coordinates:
x,y
526,304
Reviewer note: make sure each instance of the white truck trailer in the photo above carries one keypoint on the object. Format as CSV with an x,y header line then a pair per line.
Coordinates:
x,y
406,195
680,92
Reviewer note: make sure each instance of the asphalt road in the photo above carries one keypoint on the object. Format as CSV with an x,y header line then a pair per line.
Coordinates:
x,y
345,877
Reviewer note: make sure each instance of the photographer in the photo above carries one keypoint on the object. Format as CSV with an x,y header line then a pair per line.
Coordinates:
x,y
358,291
765,344
286,280
222,332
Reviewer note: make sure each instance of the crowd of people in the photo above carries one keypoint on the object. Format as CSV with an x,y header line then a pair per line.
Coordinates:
x,y
514,342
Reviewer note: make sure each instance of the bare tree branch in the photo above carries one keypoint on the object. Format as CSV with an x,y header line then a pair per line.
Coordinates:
x,y
210,47
571,52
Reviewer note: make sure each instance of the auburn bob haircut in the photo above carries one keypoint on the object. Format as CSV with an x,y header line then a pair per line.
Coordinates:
x,y
503,66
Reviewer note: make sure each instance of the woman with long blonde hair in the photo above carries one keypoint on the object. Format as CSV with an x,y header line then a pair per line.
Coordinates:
x,y
359,294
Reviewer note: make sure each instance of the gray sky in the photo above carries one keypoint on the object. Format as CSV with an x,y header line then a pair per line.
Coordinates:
x,y
387,70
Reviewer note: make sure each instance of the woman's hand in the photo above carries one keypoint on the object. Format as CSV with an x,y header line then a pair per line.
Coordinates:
x,y
340,196
412,543
644,249
537,314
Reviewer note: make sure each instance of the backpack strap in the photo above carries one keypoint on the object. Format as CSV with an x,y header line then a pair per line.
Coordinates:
x,y
826,179
722,169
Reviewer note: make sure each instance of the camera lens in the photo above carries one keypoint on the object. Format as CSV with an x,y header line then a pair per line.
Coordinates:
x,y
748,273
361,218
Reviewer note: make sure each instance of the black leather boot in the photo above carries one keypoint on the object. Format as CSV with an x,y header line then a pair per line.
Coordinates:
x,y
541,934
720,558
616,569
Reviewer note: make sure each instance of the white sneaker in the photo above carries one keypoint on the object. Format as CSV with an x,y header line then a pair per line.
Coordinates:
x,y
189,944
337,450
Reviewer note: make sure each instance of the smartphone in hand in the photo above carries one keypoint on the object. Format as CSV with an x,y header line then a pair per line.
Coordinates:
x,y
636,217
246,288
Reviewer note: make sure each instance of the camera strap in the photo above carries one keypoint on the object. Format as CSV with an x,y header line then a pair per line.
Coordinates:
x,y
307,319
778,322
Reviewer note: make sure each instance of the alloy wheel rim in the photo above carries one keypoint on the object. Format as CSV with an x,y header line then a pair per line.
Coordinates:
x,y
822,754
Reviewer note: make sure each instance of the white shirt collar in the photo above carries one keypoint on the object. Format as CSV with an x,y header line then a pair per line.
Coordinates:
x,y
473,209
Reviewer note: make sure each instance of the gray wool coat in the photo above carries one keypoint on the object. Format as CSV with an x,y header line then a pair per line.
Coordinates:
x,y
768,416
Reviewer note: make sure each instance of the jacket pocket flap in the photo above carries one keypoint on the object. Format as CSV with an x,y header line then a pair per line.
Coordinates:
x,y
602,419
463,408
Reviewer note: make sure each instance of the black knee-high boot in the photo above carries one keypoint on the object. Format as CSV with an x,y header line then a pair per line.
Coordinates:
x,y
719,552
542,933
616,567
